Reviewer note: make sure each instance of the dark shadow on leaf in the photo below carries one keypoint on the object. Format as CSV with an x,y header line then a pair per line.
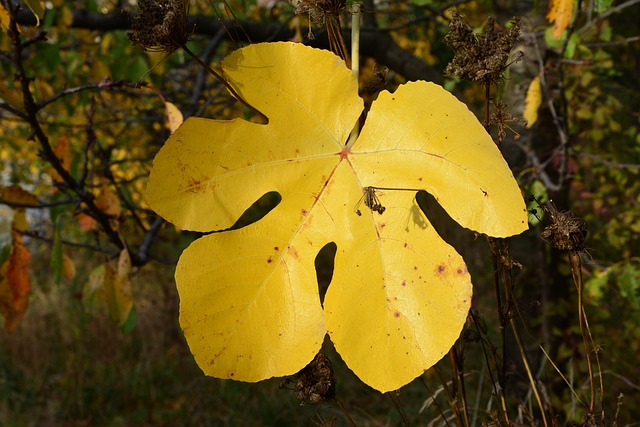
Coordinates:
x,y
450,231
258,210
255,212
324,263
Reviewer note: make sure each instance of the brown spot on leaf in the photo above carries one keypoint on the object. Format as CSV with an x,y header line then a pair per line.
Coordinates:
x,y
440,269
396,314
293,252
405,244
404,283
415,267
196,185
304,212
270,260
275,248
420,179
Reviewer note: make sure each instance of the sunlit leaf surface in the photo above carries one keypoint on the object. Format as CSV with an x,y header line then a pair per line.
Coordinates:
x,y
399,296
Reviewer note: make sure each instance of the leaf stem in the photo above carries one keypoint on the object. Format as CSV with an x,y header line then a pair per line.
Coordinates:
x,y
355,59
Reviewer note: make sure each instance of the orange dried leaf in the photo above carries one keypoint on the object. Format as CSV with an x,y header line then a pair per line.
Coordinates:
x,y
62,150
109,202
15,283
10,95
560,14
14,195
86,223
68,267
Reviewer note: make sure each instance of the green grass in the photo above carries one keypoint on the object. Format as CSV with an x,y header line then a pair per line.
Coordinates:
x,y
68,365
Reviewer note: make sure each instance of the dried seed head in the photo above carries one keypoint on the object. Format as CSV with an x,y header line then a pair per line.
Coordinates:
x,y
318,10
567,231
480,57
501,117
161,25
315,383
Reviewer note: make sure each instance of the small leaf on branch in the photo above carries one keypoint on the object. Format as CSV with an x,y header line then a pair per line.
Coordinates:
x,y
532,101
15,195
15,283
37,7
117,289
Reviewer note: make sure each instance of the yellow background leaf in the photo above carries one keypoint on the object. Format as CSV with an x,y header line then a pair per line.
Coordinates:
x,y
14,194
560,14
4,26
68,267
399,296
533,101
37,7
11,96
117,289
174,116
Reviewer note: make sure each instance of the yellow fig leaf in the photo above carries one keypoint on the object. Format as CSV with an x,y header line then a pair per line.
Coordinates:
x,y
533,101
399,296
560,14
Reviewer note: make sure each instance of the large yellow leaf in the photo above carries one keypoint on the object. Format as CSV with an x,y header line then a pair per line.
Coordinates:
x,y
399,296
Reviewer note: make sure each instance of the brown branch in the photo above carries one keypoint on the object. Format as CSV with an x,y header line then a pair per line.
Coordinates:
x,y
375,44
31,110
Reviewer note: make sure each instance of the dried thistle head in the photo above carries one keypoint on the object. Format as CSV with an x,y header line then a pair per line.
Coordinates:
x,y
161,25
567,231
319,10
501,118
480,57
315,383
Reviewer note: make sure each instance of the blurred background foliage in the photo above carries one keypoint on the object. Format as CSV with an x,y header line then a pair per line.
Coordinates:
x,y
102,104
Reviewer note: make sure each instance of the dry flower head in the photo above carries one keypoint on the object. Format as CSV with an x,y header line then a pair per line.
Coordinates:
x,y
161,25
480,57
